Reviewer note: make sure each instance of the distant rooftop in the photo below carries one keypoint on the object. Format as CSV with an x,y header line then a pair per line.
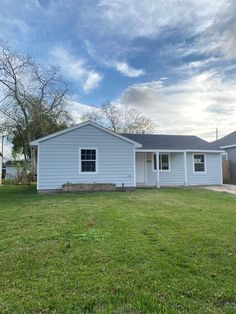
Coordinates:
x,y
227,140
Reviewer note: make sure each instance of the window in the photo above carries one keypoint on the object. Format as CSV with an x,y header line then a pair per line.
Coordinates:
x,y
199,163
88,158
163,162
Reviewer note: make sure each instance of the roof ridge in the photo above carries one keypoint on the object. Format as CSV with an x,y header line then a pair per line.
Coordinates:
x,y
157,134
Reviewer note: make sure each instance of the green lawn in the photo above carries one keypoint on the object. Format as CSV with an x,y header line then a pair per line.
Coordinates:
x,y
148,251
233,181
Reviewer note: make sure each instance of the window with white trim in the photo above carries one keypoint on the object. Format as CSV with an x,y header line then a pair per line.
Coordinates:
x,y
164,163
88,159
199,162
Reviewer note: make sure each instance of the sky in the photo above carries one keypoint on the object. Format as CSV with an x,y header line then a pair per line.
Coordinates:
x,y
172,60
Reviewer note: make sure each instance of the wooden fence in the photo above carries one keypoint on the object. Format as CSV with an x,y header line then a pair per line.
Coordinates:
x,y
226,169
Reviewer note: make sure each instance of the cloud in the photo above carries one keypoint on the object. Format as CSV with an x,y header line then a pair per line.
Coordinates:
x,y
127,70
76,109
122,67
149,18
221,108
217,37
192,106
182,30
76,69
220,36
10,26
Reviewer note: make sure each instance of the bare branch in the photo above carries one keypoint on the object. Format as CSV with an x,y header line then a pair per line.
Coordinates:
x,y
121,119
32,97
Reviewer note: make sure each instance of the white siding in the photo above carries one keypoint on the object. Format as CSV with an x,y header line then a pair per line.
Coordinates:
x,y
11,173
59,159
175,176
212,175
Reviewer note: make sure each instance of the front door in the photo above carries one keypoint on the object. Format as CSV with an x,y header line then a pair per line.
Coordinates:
x,y
140,168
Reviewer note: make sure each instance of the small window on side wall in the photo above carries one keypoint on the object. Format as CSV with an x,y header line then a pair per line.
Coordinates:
x,y
199,163
164,163
88,159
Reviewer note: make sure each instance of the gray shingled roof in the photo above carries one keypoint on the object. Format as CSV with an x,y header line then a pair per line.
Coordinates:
x,y
227,140
159,141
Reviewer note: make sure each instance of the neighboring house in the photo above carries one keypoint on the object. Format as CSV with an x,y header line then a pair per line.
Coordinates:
x,y
228,144
12,169
90,153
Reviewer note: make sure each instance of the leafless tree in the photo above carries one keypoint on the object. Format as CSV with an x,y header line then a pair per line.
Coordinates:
x,y
32,97
121,119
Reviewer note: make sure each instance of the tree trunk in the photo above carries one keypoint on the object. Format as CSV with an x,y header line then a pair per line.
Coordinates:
x,y
33,162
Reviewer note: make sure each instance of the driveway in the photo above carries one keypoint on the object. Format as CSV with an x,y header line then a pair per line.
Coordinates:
x,y
228,188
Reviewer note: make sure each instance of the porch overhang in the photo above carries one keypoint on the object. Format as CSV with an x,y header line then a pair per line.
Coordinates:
x,y
178,150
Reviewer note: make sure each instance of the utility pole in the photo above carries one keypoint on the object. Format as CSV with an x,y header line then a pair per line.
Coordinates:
x,y
217,134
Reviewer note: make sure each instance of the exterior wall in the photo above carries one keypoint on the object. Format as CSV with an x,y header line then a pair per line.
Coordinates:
x,y
213,173
175,176
232,158
59,159
11,173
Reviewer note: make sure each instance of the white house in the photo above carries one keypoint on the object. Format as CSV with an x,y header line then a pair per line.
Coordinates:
x,y
89,153
13,168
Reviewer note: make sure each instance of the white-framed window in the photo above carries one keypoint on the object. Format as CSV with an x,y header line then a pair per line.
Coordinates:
x,y
88,160
164,162
199,163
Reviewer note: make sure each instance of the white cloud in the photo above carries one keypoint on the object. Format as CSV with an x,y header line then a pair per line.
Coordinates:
x,y
127,70
76,69
194,106
76,109
202,27
92,81
148,18
221,35
122,67
217,37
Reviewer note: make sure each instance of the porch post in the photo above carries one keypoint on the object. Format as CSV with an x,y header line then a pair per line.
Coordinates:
x,y
185,169
158,173
134,165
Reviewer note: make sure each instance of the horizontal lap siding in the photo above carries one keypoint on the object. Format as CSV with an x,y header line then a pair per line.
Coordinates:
x,y
59,159
213,170
173,177
176,174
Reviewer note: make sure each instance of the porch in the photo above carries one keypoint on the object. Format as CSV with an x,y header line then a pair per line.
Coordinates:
x,y
161,168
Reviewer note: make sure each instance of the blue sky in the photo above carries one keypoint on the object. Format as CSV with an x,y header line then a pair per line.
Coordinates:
x,y
175,61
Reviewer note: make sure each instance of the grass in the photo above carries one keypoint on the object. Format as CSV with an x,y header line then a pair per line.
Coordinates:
x,y
232,181
148,251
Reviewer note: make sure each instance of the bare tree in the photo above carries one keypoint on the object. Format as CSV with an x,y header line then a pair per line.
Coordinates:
x,y
32,97
121,119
